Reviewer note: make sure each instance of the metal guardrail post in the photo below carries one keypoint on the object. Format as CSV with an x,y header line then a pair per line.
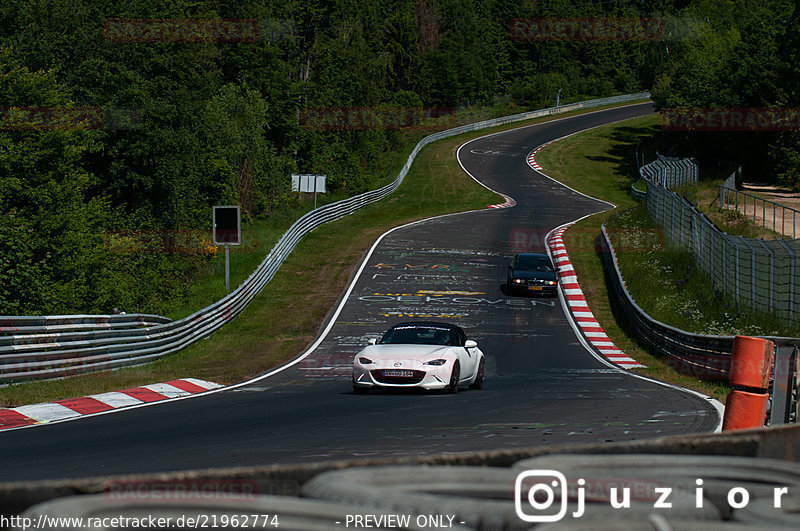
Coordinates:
x,y
745,205
753,272
783,384
771,254
792,275
796,392
738,273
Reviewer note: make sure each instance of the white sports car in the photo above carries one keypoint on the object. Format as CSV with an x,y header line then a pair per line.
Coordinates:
x,y
420,354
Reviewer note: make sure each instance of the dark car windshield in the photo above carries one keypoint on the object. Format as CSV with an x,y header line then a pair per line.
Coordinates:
x,y
420,335
533,263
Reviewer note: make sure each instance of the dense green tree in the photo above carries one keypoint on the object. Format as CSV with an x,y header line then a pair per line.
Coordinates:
x,y
725,60
43,191
186,123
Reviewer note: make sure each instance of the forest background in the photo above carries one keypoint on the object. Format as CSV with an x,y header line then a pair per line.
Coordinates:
x,y
123,122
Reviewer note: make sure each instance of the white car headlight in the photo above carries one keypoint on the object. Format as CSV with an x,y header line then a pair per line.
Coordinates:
x,y
436,362
365,361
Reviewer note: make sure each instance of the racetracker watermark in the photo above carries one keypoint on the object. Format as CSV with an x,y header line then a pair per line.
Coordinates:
x,y
586,29
67,118
576,239
181,30
730,119
198,490
706,367
376,118
542,495
169,242
207,490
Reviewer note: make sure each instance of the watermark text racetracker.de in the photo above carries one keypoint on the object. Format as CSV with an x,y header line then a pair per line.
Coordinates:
x,y
141,30
150,521
63,118
197,490
336,118
177,241
543,495
577,239
730,119
586,29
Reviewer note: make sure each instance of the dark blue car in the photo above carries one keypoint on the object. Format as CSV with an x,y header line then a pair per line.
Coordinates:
x,y
532,273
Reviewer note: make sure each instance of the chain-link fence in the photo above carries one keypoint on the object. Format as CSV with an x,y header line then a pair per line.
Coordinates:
x,y
760,274
704,356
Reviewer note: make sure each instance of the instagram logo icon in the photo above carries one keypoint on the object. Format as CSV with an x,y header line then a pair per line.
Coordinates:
x,y
540,496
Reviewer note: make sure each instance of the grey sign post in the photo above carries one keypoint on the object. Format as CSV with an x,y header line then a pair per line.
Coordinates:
x,y
303,182
227,232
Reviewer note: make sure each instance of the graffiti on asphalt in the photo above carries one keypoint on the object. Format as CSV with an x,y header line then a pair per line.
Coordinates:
x,y
413,267
424,298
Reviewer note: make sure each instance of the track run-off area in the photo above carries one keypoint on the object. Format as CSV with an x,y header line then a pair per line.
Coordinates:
x,y
543,385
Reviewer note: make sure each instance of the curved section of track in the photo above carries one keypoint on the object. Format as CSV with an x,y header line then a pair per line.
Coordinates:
x,y
542,386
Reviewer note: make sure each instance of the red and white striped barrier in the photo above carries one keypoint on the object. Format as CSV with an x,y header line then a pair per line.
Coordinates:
x,y
44,413
509,202
576,301
532,156
578,306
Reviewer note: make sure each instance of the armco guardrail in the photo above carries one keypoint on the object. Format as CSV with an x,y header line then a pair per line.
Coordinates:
x,y
639,195
703,356
700,355
34,348
74,323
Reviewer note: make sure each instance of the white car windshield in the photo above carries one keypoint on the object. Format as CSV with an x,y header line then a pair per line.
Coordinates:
x,y
420,335
533,264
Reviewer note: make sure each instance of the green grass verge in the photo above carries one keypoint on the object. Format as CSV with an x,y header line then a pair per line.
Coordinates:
x,y
285,317
601,163
665,281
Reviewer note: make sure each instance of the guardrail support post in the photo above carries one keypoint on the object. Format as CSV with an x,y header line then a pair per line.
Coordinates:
x,y
751,364
783,385
227,268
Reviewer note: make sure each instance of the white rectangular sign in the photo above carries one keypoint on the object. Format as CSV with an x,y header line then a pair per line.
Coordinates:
x,y
320,184
308,183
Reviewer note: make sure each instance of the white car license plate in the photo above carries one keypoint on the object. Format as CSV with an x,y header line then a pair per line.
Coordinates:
x,y
398,372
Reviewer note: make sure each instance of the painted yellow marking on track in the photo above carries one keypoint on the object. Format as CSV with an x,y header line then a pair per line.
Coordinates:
x,y
432,292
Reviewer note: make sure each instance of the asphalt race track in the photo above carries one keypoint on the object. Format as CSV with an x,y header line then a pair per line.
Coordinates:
x,y
542,386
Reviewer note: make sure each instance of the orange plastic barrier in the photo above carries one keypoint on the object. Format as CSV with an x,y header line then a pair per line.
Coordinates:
x,y
744,410
751,362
